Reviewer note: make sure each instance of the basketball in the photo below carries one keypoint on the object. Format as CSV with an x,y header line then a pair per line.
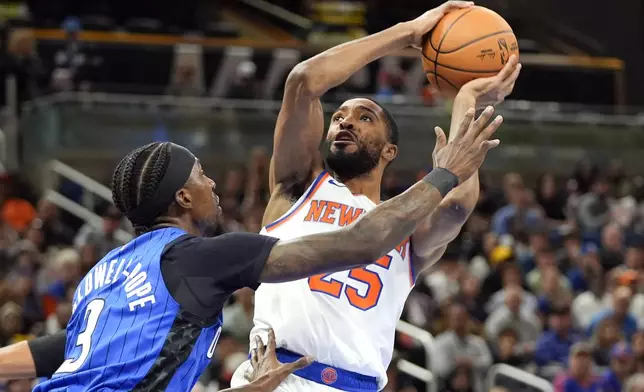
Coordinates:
x,y
467,44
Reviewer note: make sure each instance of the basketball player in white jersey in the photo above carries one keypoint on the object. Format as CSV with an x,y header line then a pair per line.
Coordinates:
x,y
346,320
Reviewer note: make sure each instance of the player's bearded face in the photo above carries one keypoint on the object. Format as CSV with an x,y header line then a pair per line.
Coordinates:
x,y
349,163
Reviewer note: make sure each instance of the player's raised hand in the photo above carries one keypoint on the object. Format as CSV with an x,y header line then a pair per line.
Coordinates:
x,y
424,23
267,372
493,90
466,152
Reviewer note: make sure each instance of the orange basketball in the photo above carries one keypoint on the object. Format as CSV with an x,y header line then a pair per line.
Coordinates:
x,y
467,44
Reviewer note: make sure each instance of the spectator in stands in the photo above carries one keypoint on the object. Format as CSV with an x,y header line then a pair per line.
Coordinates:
x,y
458,353
59,319
621,367
606,336
619,310
580,376
102,239
539,278
511,278
512,314
551,200
584,268
22,62
65,269
244,85
469,297
587,304
185,83
397,381
238,317
519,214
553,345
638,350
612,247
55,232
506,348
593,212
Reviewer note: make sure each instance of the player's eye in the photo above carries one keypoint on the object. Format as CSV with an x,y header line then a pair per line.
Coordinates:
x,y
365,118
338,118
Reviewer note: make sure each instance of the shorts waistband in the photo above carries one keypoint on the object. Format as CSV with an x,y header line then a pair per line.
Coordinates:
x,y
334,377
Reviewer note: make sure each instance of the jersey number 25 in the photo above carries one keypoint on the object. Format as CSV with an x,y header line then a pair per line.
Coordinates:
x,y
334,287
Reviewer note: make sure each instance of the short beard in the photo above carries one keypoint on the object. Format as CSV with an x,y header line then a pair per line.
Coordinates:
x,y
347,166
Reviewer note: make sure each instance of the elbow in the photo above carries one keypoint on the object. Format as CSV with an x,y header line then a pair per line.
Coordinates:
x,y
455,212
301,80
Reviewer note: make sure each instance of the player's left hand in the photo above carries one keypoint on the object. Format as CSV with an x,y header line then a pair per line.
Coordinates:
x,y
267,372
493,90
427,21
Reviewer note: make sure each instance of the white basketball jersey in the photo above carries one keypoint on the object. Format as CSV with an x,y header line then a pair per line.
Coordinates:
x,y
346,319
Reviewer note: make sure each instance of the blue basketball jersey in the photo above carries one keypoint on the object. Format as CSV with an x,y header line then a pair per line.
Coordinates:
x,y
127,333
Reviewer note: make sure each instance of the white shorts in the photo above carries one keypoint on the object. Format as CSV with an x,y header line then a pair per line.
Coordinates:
x,y
292,383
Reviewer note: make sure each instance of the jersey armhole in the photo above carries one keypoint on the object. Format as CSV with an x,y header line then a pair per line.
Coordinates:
x,y
310,192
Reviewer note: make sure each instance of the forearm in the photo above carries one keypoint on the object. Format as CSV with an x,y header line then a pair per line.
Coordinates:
x,y
444,224
361,243
16,362
334,66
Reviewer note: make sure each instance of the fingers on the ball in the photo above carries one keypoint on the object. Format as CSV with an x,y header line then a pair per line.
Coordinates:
x,y
459,4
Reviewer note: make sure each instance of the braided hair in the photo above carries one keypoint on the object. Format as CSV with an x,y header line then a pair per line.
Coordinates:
x,y
137,178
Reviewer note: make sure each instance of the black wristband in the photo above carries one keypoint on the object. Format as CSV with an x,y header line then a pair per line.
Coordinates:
x,y
442,179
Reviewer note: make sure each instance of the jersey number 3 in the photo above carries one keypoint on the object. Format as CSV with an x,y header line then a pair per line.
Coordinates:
x,y
334,287
84,340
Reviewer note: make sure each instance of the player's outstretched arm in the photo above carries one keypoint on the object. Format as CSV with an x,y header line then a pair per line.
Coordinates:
x,y
440,228
300,123
37,358
379,231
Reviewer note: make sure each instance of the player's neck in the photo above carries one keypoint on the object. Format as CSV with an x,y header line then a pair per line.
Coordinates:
x,y
367,185
183,222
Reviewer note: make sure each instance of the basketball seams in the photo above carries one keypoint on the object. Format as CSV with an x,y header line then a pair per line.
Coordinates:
x,y
438,51
437,76
437,64
477,40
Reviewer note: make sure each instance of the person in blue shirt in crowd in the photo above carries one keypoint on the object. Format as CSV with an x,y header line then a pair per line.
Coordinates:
x,y
553,346
619,311
621,364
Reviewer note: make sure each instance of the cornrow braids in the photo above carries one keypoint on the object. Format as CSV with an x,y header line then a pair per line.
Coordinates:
x,y
137,178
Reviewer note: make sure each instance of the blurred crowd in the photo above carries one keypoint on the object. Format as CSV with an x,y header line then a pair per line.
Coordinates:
x,y
548,279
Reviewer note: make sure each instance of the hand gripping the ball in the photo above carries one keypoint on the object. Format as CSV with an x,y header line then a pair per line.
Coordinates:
x,y
466,152
493,90
424,23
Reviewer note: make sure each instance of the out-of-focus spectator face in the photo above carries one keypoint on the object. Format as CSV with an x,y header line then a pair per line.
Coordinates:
x,y
548,187
622,360
111,220
513,298
21,43
560,321
22,286
234,182
601,187
511,276
490,241
539,242
608,333
19,386
461,381
68,265
580,364
622,300
546,259
612,238
47,210
634,258
458,319
10,319
470,286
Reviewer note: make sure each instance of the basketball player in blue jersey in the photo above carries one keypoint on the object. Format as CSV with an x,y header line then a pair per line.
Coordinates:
x,y
147,317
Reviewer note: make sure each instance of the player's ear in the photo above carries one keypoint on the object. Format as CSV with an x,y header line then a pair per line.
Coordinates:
x,y
389,152
183,198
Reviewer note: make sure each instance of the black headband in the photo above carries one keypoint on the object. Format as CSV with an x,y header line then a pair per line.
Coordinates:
x,y
174,178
